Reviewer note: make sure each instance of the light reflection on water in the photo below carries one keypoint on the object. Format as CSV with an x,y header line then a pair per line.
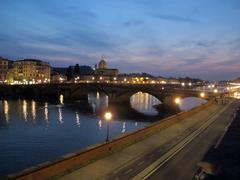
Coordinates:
x,y
144,103
46,112
33,132
24,110
6,109
60,115
33,110
190,102
77,119
97,101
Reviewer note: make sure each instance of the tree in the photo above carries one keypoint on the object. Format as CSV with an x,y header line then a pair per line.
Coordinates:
x,y
69,73
76,70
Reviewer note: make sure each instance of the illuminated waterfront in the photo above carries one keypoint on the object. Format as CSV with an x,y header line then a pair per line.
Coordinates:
x,y
34,132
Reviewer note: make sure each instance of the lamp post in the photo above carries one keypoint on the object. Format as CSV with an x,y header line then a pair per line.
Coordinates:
x,y
108,118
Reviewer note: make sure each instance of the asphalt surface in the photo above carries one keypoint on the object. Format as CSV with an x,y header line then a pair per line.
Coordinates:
x,y
183,165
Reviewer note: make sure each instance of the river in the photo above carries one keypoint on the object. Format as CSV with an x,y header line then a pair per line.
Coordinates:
x,y
32,132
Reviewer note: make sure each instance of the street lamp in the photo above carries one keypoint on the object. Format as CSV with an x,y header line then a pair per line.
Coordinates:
x,y
202,94
177,100
108,118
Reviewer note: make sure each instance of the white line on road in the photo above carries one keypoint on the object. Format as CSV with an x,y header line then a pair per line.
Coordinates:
x,y
128,171
139,164
151,155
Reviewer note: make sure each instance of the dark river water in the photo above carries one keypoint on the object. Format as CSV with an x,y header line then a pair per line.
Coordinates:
x,y
32,132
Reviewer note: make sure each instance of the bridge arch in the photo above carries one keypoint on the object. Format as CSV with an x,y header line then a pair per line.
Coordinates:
x,y
125,96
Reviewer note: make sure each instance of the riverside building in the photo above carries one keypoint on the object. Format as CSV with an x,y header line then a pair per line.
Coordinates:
x,y
5,64
29,71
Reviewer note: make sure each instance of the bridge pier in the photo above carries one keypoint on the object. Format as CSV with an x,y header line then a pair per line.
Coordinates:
x,y
77,96
169,103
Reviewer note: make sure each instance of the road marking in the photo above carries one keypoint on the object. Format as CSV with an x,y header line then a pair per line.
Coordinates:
x,y
128,171
142,162
177,148
151,155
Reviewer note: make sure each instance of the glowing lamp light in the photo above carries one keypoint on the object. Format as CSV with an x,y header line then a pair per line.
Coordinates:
x,y
108,116
177,100
183,84
215,91
202,94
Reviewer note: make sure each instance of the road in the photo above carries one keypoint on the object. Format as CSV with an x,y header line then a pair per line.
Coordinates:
x,y
183,165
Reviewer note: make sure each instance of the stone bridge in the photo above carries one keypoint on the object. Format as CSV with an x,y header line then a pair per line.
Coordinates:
x,y
117,93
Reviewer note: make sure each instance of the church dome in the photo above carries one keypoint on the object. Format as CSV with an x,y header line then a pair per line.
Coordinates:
x,y
102,64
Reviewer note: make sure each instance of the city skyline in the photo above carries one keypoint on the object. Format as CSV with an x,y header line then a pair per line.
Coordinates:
x,y
169,38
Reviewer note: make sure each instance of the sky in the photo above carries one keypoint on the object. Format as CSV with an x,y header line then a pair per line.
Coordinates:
x,y
173,38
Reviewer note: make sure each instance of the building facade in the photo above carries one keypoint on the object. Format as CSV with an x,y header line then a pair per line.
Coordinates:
x,y
58,78
30,71
4,68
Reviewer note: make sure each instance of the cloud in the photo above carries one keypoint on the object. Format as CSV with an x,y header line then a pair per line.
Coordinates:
x,y
133,23
175,18
201,43
194,61
235,44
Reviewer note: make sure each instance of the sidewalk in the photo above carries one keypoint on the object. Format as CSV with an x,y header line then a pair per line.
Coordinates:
x,y
105,167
